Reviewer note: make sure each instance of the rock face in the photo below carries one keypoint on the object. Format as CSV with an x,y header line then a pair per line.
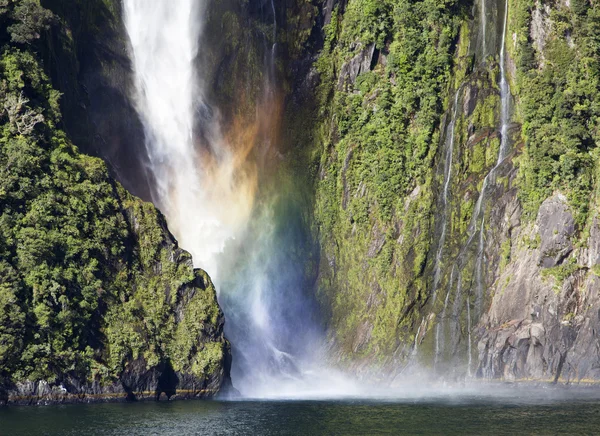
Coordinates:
x,y
193,359
556,228
360,63
89,65
491,268
543,318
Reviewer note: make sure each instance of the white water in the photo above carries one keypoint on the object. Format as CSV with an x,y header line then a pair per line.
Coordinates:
x,y
504,93
483,19
449,142
204,206
164,39
208,200
502,153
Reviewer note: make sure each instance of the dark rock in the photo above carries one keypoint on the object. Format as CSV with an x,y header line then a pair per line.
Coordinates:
x,y
355,66
556,227
470,99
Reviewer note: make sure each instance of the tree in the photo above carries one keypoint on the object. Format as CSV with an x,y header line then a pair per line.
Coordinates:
x,y
30,19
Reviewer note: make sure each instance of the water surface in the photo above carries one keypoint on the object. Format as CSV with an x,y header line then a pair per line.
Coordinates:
x,y
518,411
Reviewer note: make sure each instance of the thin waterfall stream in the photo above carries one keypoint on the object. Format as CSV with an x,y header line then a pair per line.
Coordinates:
x,y
477,224
483,19
449,148
502,152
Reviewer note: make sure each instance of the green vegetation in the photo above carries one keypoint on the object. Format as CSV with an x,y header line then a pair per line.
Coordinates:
x,y
560,273
377,157
559,91
90,277
379,141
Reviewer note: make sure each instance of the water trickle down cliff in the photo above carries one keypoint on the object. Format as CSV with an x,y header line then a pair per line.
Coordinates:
x,y
502,153
455,326
448,149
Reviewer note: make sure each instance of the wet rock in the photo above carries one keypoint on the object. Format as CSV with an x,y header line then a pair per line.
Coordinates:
x,y
540,28
355,66
556,227
470,99
593,246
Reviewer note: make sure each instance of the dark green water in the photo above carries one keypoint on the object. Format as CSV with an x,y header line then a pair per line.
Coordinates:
x,y
520,413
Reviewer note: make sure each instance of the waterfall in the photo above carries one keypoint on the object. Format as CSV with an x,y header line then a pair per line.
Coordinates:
x,y
439,330
206,184
200,186
483,19
164,39
415,349
449,148
274,28
504,93
502,152
477,223
469,351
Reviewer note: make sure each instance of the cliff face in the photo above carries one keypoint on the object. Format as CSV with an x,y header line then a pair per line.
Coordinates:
x,y
85,54
97,301
439,245
440,220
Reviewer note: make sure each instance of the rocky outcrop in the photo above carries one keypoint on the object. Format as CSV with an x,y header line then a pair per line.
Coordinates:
x,y
137,382
540,28
543,318
360,63
161,339
556,228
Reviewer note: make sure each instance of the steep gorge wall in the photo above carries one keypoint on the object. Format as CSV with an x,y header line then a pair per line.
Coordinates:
x,y
397,80
388,122
97,301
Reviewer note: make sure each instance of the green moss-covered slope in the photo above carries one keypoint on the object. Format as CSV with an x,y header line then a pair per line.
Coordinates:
x,y
384,72
95,295
381,119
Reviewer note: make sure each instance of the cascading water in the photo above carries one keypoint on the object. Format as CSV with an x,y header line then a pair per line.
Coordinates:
x,y
504,93
504,140
164,42
449,148
477,224
209,198
207,187
483,19
469,351
502,153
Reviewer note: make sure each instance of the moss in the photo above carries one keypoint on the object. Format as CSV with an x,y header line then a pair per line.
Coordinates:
x,y
95,277
505,250
532,243
560,273
486,112
374,200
